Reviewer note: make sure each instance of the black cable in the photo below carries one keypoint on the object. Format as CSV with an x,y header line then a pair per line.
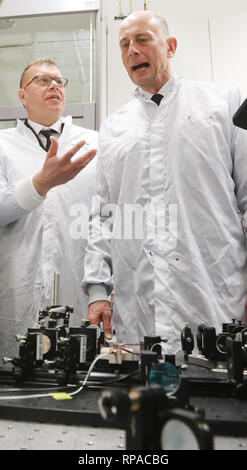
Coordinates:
x,y
113,381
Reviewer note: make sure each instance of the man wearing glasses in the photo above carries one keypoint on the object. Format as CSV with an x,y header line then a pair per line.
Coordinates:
x,y
42,188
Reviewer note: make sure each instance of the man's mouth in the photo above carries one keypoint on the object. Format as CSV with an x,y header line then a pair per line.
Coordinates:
x,y
54,97
140,66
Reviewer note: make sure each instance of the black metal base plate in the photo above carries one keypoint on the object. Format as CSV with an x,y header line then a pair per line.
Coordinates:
x,y
225,410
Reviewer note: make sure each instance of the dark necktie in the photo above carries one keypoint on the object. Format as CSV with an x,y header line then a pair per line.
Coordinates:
x,y
48,133
157,98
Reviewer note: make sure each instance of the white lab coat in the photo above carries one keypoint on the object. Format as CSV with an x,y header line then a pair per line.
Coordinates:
x,y
187,157
38,243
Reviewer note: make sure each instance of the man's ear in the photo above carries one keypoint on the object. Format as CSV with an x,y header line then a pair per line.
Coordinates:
x,y
171,46
22,96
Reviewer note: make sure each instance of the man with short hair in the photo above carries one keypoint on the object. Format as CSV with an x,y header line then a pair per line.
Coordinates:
x,y
173,155
41,184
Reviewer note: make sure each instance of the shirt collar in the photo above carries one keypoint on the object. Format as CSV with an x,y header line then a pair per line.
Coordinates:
x,y
165,90
38,127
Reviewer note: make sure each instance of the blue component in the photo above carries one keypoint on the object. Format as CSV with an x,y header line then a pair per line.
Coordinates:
x,y
167,376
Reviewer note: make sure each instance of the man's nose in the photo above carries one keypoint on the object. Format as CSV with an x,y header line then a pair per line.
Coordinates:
x,y
133,49
53,83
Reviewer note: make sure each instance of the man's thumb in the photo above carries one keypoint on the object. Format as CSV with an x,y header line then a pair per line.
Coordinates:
x,y
53,148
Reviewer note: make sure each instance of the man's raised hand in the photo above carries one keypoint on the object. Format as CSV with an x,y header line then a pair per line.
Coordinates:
x,y
58,170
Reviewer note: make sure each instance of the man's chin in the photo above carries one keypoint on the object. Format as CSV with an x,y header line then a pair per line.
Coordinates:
x,y
53,104
140,81
55,108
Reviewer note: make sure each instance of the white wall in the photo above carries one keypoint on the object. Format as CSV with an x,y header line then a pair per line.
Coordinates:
x,y
229,49
118,86
212,41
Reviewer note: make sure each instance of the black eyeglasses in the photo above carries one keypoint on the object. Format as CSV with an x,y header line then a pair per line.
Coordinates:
x,y
45,80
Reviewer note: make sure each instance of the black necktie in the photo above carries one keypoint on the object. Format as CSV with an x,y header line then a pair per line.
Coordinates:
x,y
157,98
48,133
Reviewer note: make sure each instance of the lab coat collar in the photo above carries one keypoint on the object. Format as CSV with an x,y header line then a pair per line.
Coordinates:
x,y
165,90
67,121
38,127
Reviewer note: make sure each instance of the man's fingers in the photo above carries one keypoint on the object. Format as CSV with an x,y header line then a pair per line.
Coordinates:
x,y
108,334
101,311
68,155
83,161
107,322
94,320
77,166
79,162
53,148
